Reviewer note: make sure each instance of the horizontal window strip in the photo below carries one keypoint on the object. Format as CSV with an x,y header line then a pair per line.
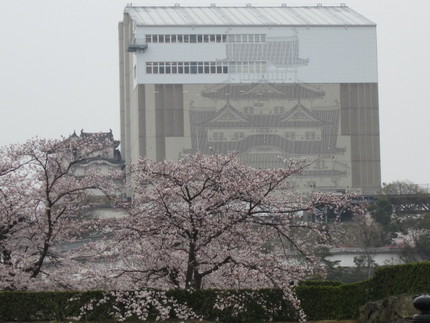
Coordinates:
x,y
205,38
211,67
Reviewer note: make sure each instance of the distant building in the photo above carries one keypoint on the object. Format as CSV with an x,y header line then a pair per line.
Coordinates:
x,y
264,81
103,161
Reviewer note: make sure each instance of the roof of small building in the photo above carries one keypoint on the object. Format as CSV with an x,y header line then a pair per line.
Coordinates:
x,y
246,16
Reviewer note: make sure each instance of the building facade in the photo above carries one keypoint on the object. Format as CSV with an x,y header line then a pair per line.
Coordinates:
x,y
295,82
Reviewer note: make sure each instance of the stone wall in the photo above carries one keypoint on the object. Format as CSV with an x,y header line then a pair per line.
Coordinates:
x,y
398,309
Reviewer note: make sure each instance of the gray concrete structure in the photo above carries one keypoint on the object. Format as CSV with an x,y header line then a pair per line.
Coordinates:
x,y
265,81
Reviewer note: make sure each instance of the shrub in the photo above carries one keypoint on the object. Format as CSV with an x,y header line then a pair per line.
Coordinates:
x,y
319,299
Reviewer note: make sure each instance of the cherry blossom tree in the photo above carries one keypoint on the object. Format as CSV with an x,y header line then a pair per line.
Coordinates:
x,y
210,221
406,187
41,204
11,207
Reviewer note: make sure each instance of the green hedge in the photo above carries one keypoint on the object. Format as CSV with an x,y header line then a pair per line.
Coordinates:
x,y
333,302
48,306
342,301
319,283
320,300
402,279
32,306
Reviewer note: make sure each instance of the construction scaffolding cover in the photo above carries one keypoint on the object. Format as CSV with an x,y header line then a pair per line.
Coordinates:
x,y
247,16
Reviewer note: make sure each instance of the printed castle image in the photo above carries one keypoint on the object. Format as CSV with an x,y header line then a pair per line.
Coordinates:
x,y
268,82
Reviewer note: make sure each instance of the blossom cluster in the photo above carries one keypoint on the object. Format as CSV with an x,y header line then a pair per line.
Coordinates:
x,y
236,303
139,305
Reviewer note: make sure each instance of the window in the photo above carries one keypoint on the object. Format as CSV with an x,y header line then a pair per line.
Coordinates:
x,y
200,67
238,135
232,68
320,164
206,38
263,68
193,68
291,184
168,68
161,68
218,136
279,110
257,68
187,67
149,68
290,135
311,184
155,68
248,110
310,135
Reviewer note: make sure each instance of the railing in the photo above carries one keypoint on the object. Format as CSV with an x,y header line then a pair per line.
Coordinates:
x,y
137,44
346,251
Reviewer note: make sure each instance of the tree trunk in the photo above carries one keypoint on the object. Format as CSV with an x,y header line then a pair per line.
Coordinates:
x,y
190,266
35,269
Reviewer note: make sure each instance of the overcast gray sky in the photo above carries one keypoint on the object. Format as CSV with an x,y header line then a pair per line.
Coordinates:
x,y
59,72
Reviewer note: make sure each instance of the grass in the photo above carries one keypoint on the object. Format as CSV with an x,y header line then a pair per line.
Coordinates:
x,y
197,321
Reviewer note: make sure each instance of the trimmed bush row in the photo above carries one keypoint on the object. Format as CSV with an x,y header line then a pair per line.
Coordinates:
x,y
320,300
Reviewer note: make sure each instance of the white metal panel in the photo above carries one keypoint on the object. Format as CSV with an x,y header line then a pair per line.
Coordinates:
x,y
336,55
233,16
203,17
283,14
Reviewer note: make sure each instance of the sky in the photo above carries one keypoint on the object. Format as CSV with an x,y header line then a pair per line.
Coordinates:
x,y
59,72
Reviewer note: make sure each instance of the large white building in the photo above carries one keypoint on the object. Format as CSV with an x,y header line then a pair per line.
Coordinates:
x,y
264,81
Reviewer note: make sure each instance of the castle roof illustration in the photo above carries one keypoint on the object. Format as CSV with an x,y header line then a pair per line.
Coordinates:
x,y
263,91
298,116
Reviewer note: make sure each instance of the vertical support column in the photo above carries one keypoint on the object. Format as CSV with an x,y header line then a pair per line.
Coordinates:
x,y
360,121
